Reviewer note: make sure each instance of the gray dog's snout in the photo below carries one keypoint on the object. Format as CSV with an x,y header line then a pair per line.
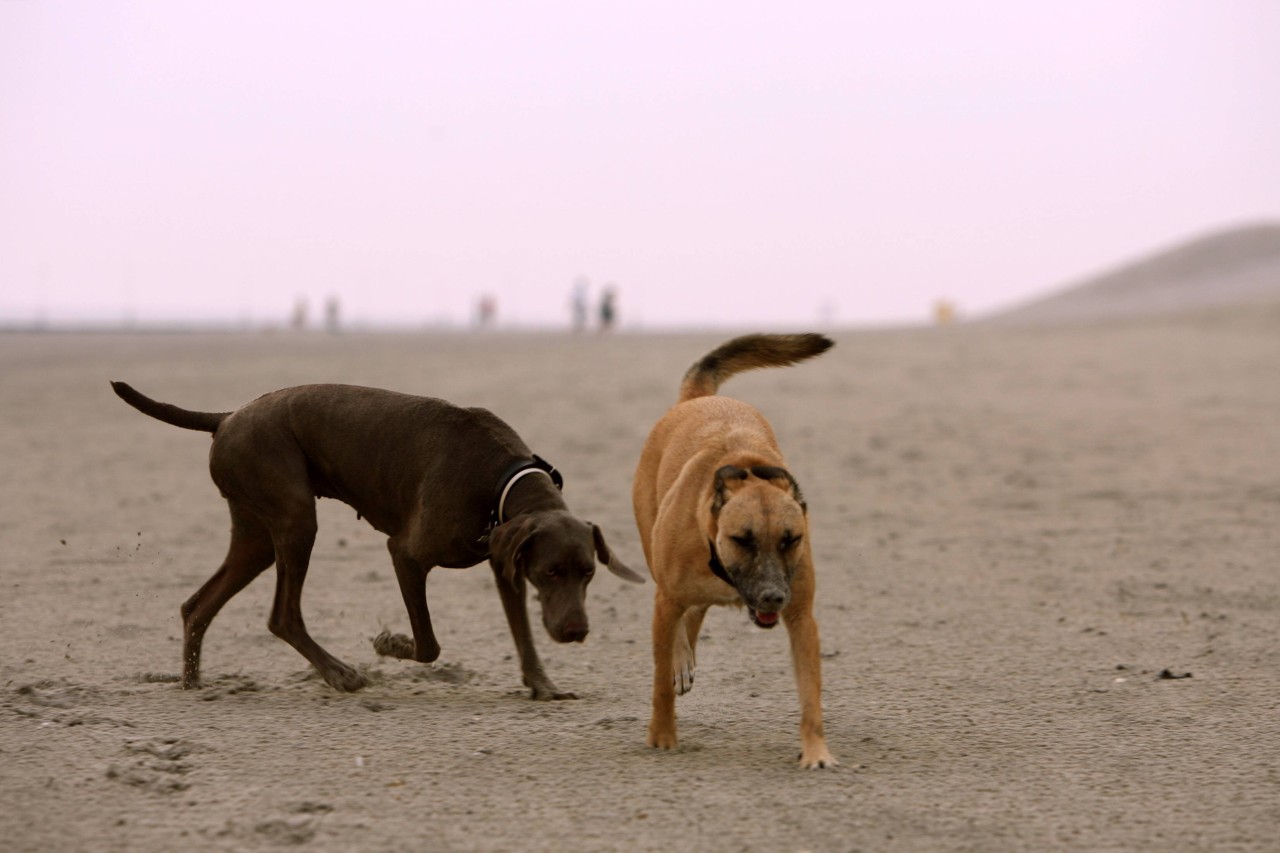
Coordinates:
x,y
574,633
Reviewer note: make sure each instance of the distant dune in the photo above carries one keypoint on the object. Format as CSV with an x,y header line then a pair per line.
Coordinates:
x,y
1237,267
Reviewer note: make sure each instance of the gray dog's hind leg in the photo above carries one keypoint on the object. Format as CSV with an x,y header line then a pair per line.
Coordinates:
x,y
294,536
249,554
412,576
513,603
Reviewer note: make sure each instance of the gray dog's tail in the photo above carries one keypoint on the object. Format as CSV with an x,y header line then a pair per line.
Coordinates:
x,y
747,353
203,421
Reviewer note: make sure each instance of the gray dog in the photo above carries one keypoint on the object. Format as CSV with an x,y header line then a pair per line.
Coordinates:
x,y
450,486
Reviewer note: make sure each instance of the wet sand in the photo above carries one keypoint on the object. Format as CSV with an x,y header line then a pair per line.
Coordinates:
x,y
1047,593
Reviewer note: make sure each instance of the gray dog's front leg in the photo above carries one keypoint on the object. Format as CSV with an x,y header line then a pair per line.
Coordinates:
x,y
513,603
412,576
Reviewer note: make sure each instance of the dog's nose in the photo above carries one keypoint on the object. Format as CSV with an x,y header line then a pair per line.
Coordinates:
x,y
573,633
771,601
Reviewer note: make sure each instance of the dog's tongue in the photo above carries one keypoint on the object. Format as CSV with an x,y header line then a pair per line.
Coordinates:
x,y
766,618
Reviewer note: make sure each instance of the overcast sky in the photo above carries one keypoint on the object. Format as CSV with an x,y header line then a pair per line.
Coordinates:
x,y
723,163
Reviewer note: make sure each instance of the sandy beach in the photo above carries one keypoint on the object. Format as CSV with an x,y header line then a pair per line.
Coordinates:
x,y
1047,593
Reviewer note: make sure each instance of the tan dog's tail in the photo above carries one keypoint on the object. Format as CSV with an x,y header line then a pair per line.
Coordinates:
x,y
170,414
747,353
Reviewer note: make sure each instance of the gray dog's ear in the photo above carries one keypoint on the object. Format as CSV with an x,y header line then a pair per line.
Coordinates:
x,y
773,472
610,562
728,478
506,547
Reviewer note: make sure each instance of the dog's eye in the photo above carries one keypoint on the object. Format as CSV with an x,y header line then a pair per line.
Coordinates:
x,y
745,540
788,542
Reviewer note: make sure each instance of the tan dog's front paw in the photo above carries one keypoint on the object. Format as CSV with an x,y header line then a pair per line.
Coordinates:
x,y
816,757
684,678
683,664
661,737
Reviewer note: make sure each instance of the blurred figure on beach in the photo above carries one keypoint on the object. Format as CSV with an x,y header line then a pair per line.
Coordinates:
x,y
578,304
486,311
298,320
608,308
944,312
332,312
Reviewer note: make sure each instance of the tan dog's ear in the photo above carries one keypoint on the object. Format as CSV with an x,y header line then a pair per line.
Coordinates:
x,y
728,479
773,472
610,562
506,547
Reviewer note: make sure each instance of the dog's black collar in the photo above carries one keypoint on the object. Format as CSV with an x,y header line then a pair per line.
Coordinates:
x,y
717,567
538,463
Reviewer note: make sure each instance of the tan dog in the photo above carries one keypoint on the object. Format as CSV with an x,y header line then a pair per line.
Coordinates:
x,y
722,521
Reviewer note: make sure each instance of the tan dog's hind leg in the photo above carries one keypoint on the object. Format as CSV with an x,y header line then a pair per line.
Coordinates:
x,y
803,633
666,623
684,661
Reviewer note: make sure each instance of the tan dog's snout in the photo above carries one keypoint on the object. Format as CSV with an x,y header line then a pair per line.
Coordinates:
x,y
763,581
765,586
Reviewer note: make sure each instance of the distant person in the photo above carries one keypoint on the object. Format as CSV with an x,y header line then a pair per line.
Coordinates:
x,y
578,304
486,311
608,309
298,322
332,310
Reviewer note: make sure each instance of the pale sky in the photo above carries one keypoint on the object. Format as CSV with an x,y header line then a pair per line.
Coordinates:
x,y
724,164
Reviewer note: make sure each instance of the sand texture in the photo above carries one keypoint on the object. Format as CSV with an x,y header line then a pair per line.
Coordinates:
x,y
1048,593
